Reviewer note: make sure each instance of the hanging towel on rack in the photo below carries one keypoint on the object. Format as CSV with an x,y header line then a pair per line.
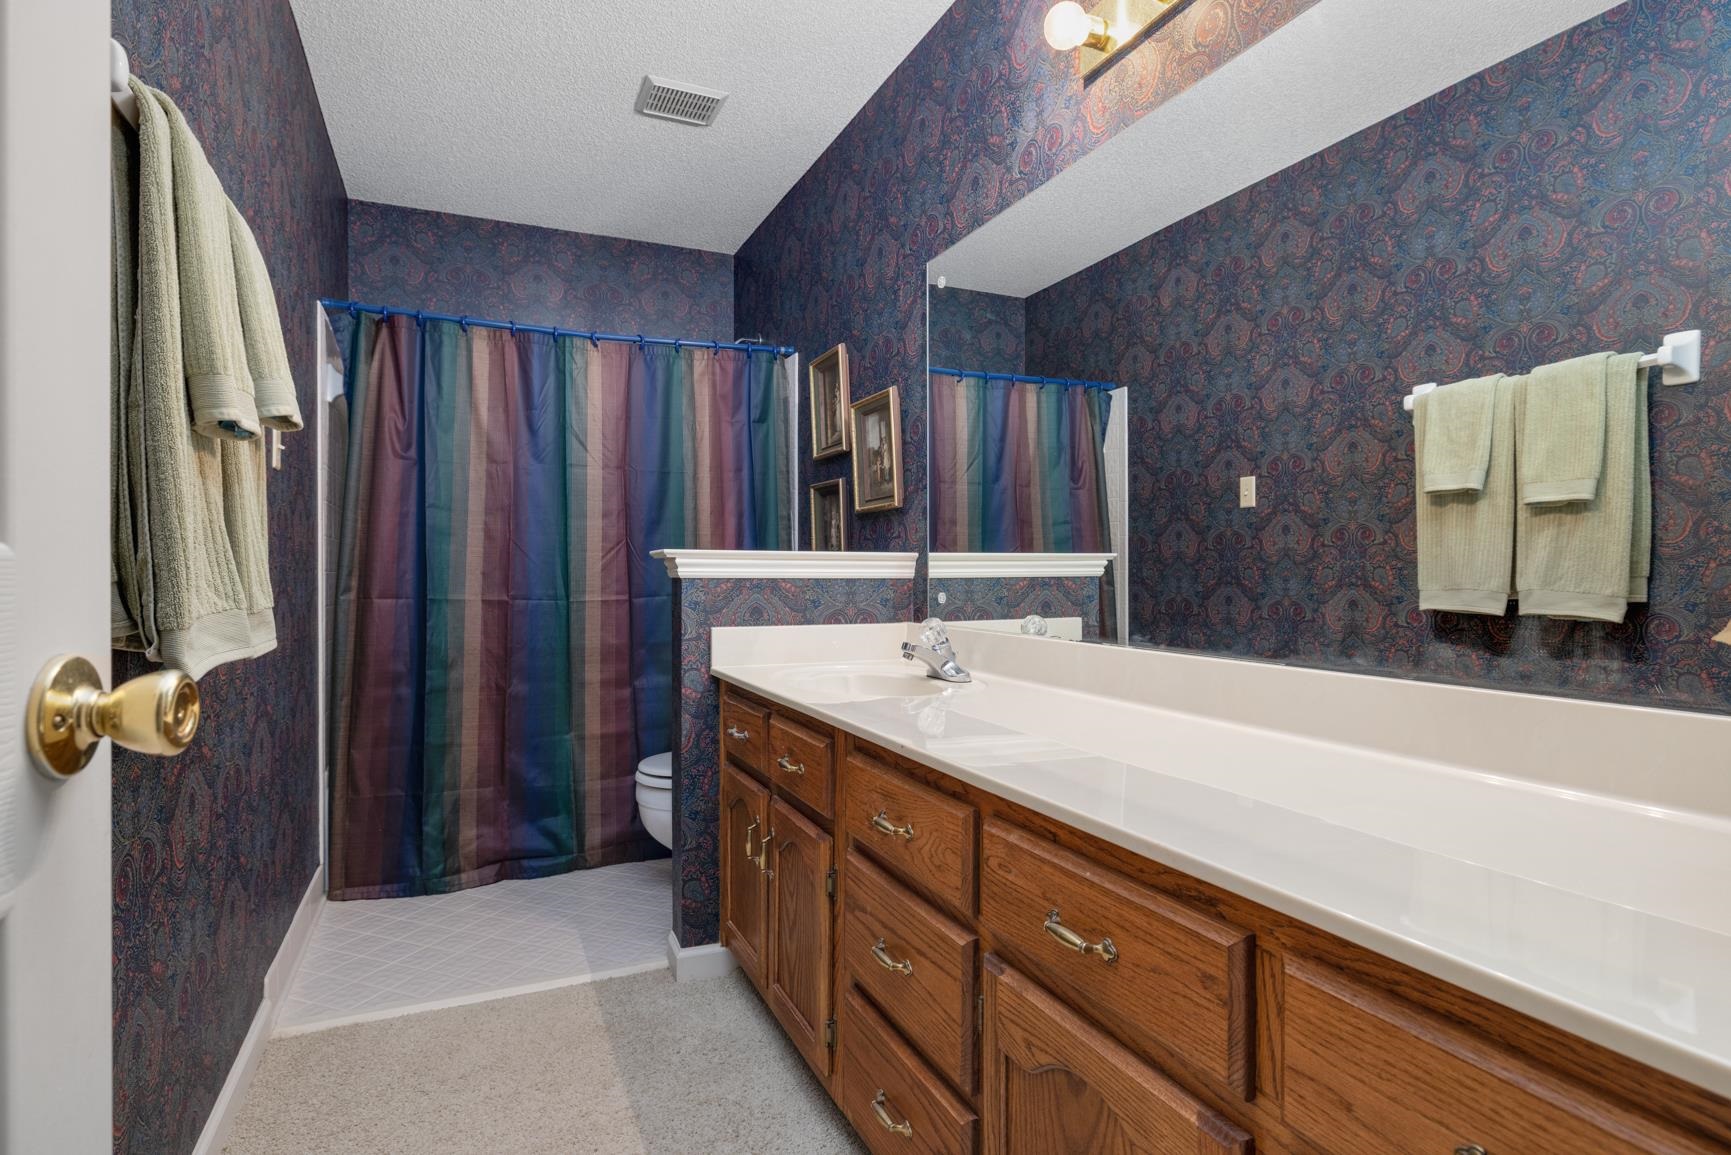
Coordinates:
x,y
266,358
217,379
1466,540
1587,560
191,564
1563,431
1457,448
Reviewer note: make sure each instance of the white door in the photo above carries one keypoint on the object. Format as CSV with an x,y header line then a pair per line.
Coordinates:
x,y
55,1055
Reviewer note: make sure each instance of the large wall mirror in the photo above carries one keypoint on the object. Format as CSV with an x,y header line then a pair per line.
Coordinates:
x,y
1189,349
1028,452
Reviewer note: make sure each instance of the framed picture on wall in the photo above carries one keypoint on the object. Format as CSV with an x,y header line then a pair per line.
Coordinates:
x,y
829,515
829,398
877,458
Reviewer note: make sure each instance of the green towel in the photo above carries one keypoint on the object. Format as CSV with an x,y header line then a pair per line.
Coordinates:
x,y
1586,560
266,358
191,567
1641,525
1466,540
1563,431
1457,450
213,344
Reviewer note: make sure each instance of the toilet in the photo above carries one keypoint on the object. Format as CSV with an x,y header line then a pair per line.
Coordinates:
x,y
655,796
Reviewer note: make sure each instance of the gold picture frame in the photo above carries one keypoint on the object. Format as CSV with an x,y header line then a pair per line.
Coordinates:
x,y
877,458
827,501
828,394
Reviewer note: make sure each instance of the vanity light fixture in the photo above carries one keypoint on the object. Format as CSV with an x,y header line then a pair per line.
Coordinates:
x,y
1111,29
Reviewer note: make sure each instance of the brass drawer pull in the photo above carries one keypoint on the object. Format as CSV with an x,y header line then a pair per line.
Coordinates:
x,y
763,852
905,967
749,856
789,766
904,1128
1069,938
882,824
737,734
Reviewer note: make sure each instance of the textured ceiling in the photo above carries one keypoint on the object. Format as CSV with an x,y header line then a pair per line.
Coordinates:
x,y
1333,70
523,110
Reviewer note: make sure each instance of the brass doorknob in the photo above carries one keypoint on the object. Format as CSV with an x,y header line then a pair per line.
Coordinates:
x,y
69,713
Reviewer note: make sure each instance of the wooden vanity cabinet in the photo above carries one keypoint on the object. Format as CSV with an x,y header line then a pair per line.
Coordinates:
x,y
778,877
981,1011
799,978
745,822
1054,1082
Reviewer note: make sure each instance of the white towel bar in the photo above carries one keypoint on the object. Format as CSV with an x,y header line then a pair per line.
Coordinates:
x,y
119,72
1679,357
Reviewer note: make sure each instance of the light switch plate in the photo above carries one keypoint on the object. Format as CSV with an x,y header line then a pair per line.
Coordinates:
x,y
1247,492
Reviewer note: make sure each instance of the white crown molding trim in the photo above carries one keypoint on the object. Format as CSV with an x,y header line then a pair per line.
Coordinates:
x,y
277,982
969,565
785,563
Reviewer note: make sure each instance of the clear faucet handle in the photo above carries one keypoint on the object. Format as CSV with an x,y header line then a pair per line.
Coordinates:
x,y
932,632
1035,626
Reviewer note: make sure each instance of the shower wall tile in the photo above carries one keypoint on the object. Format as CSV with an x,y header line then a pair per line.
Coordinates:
x,y
213,850
1575,197
699,605
446,263
978,115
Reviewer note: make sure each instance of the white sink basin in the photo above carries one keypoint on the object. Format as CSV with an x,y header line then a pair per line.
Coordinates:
x,y
837,684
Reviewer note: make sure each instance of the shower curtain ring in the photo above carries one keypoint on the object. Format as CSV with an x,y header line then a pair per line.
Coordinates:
x,y
715,348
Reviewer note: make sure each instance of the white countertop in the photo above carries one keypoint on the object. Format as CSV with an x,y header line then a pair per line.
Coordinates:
x,y
1600,913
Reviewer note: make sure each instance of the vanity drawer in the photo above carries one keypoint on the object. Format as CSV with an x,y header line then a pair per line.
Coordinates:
x,y
1172,976
744,731
917,965
895,1103
920,834
802,762
1367,1073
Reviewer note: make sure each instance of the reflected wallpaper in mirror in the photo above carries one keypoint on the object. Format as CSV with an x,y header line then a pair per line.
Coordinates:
x,y
1520,217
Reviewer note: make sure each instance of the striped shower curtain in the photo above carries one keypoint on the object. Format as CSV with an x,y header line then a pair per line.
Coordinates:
x,y
1018,467
503,651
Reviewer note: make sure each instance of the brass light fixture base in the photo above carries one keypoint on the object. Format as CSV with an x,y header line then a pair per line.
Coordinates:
x,y
1130,22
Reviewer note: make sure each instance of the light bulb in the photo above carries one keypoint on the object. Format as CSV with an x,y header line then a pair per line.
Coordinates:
x,y
1068,25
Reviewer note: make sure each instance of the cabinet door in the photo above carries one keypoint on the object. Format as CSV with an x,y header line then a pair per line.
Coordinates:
x,y
801,932
1057,1084
744,885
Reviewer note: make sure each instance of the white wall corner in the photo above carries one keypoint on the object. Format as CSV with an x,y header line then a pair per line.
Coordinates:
x,y
785,563
693,963
277,982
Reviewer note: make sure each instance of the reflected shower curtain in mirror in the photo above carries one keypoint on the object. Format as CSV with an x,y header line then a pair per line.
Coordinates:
x,y
503,653
1018,467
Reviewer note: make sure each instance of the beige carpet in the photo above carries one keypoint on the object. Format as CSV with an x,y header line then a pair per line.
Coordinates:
x,y
625,1066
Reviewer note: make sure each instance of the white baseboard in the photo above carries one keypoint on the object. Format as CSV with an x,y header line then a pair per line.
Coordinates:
x,y
690,963
277,981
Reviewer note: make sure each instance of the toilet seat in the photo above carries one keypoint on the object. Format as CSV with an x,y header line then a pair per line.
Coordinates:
x,y
656,771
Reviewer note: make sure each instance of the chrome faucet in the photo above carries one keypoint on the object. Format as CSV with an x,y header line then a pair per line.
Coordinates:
x,y
935,651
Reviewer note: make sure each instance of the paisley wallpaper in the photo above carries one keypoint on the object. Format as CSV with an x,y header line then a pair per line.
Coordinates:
x,y
213,850
464,265
979,114
1575,197
977,331
700,604
976,599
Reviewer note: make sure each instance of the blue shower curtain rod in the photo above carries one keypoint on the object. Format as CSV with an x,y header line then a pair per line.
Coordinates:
x,y
630,339
1024,379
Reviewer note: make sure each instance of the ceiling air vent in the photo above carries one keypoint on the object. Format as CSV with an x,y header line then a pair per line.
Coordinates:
x,y
671,100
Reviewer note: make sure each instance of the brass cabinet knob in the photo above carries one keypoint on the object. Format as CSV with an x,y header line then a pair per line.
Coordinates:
x,y
69,713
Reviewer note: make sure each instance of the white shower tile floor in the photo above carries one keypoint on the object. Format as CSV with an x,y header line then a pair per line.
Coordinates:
x,y
390,956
